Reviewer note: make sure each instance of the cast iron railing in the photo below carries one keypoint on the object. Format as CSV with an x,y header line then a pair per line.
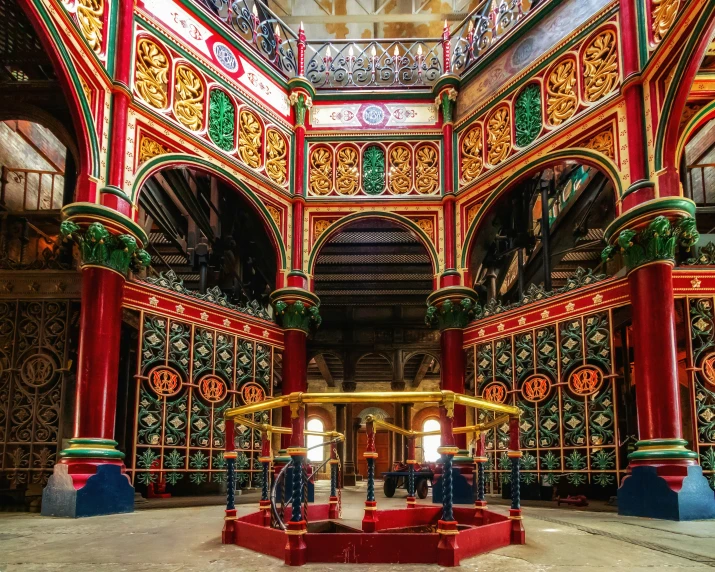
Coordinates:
x,y
375,63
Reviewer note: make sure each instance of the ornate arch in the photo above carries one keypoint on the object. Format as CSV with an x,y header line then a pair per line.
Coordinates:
x,y
667,135
88,145
410,355
701,117
172,160
394,217
592,158
318,412
419,417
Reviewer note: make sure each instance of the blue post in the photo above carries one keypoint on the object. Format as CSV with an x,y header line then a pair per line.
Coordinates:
x,y
447,489
297,502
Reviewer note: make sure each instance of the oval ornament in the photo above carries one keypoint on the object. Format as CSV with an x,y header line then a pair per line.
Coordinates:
x,y
585,380
707,368
252,393
536,387
496,392
212,388
165,381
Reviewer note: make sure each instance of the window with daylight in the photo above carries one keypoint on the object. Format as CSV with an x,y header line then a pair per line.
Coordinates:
x,y
315,455
430,443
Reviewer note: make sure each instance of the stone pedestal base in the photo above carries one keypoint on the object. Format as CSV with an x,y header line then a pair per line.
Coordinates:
x,y
228,534
671,492
479,508
447,547
369,521
296,549
333,508
106,491
518,535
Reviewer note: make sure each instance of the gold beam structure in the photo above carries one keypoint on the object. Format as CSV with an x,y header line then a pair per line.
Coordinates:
x,y
264,427
444,398
400,430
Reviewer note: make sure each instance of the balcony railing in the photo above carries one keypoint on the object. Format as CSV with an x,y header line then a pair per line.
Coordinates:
x,y
700,185
377,63
31,190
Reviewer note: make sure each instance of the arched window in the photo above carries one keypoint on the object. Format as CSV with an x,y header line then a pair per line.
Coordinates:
x,y
315,455
430,443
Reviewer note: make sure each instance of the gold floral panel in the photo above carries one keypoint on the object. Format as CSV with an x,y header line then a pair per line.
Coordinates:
x,y
347,178
561,98
321,171
498,136
151,75
600,66
90,16
426,169
471,154
663,16
400,172
189,99
276,157
249,138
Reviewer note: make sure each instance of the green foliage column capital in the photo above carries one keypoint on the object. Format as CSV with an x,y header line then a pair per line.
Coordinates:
x,y
302,103
113,243
296,309
452,308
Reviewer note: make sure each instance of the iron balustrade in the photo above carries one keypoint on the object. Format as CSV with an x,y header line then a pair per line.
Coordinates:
x,y
31,189
373,63
701,187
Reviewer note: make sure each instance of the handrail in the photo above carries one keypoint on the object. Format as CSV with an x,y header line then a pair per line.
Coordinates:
x,y
444,398
266,428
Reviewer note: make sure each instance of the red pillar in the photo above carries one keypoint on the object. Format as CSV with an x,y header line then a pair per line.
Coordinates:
x,y
369,520
295,375
452,377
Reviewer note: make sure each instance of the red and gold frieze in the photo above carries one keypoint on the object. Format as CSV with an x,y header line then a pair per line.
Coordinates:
x,y
142,296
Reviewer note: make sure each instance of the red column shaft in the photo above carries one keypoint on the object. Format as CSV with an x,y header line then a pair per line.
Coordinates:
x,y
295,376
654,338
447,131
100,331
452,367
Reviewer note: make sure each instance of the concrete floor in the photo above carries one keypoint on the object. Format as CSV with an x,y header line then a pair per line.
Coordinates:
x,y
188,539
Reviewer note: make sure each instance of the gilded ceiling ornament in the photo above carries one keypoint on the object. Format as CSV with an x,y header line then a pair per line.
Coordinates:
x,y
320,226
89,16
346,172
472,161
189,100
600,62
400,169
427,170
249,138
152,68
562,100
275,214
321,171
276,162
498,136
148,149
603,143
664,13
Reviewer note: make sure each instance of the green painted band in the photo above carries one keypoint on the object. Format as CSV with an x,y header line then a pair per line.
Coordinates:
x,y
662,454
661,442
637,186
91,209
301,83
447,80
116,191
299,273
450,272
92,441
451,291
92,453
290,292
656,205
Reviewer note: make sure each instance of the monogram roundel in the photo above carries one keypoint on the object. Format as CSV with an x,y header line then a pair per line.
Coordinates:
x,y
707,368
165,381
37,370
252,393
212,388
536,387
585,380
496,392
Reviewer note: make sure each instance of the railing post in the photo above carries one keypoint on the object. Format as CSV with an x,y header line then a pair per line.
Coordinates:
x,y
228,535
265,459
333,511
369,521
411,473
446,50
517,527
480,504
301,51
297,527
447,554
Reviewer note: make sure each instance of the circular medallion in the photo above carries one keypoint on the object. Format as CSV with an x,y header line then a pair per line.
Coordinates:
x,y
212,388
496,392
536,387
165,381
37,370
252,393
585,380
707,368
225,57
373,115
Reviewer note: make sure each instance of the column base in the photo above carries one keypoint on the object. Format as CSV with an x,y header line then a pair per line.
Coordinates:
x,y
296,549
87,488
333,508
666,491
265,507
479,507
369,521
447,548
411,502
228,534
518,534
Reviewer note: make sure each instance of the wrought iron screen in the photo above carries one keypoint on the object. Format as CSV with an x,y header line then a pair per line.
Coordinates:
x,y
34,357
188,375
562,376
